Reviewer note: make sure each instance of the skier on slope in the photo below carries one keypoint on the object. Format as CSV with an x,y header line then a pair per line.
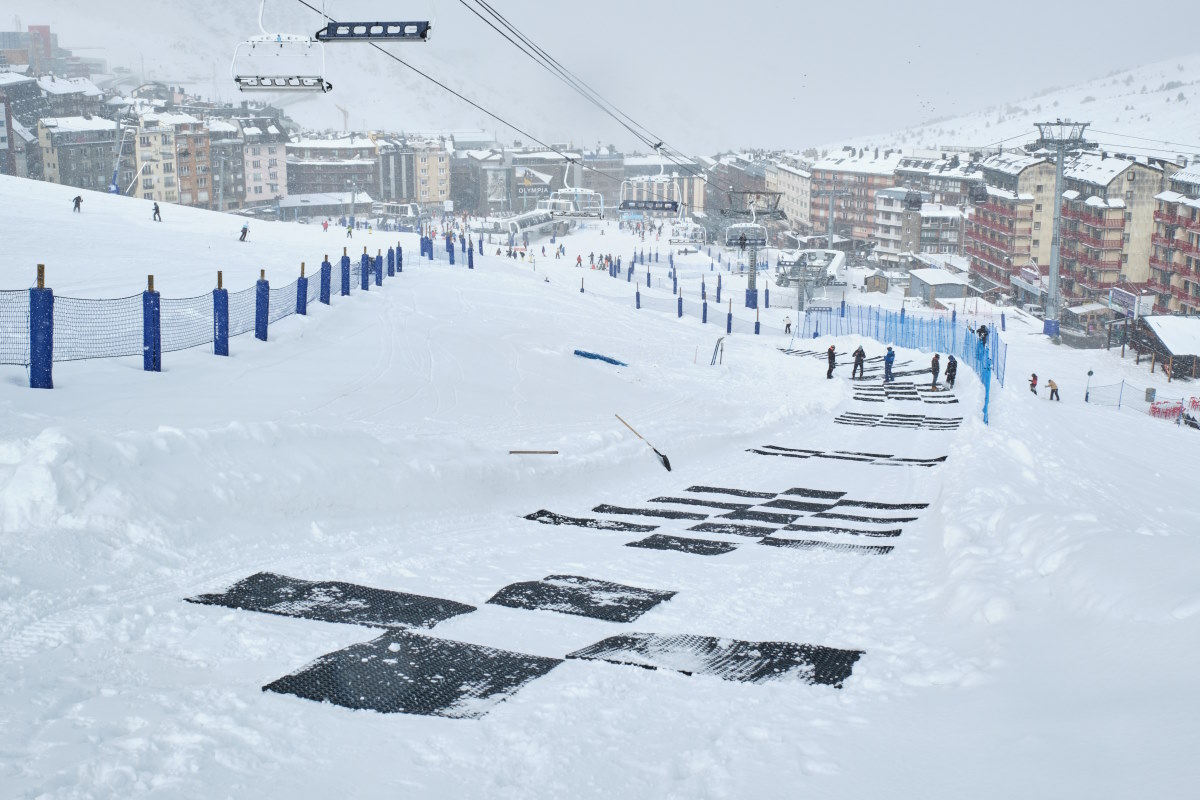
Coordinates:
x,y
245,230
157,216
78,201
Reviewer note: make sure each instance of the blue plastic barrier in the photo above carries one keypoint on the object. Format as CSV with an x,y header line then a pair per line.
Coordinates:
x,y
598,357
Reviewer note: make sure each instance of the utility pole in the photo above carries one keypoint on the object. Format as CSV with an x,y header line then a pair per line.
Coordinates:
x,y
832,191
1062,137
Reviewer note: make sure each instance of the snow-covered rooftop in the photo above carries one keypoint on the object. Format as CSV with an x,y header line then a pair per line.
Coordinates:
x,y
60,86
343,143
324,199
1087,308
994,191
938,277
78,124
1181,335
12,78
218,125
866,164
1012,163
1189,174
941,210
1096,169
170,118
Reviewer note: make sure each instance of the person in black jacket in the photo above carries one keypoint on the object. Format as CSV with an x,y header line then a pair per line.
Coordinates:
x,y
832,362
951,371
860,356
935,369
78,201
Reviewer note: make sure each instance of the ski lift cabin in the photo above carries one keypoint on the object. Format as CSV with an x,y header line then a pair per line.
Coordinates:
x,y
657,195
741,235
375,32
688,235
577,203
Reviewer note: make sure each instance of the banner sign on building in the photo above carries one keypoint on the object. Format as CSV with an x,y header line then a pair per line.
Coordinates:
x,y
1130,304
3,126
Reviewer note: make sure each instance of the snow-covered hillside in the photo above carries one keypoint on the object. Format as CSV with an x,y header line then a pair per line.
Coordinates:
x,y
1152,110
1019,618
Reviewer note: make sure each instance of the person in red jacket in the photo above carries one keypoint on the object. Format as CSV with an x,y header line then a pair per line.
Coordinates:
x,y
1033,383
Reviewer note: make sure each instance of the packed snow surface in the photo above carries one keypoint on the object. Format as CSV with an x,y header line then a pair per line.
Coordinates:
x,y
1033,632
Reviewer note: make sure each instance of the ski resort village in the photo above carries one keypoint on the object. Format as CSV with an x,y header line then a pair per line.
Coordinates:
x,y
366,433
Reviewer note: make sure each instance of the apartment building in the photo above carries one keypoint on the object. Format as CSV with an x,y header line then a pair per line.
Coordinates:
x,y
795,187
226,158
266,159
71,97
1014,226
1107,222
320,166
889,223
193,164
937,228
680,179
946,178
860,173
1175,259
603,171
154,153
431,170
82,152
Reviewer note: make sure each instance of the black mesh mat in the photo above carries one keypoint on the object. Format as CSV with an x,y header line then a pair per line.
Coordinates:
x,y
899,421
842,529
412,674
762,516
730,659
333,601
804,544
699,547
857,518
696,501
648,512
871,504
798,505
550,518
733,529
583,597
823,493
734,492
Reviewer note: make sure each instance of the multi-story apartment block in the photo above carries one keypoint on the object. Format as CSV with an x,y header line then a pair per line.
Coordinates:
x,y
82,152
24,105
431,171
348,163
859,173
889,224
154,151
266,157
945,178
1013,228
1107,223
193,164
738,172
226,153
795,187
937,228
1175,262
71,97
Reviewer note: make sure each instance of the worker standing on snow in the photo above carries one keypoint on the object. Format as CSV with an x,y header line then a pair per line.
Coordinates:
x,y
832,361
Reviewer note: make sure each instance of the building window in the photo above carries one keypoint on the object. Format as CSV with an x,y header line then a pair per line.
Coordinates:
x,y
147,183
1036,243
1037,207
256,163
1037,226
147,195
1040,188
271,150
258,190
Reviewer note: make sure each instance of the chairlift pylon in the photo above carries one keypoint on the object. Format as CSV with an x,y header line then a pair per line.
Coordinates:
x,y
279,62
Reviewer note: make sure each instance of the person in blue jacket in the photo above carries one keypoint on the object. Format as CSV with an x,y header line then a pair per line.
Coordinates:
x,y
888,360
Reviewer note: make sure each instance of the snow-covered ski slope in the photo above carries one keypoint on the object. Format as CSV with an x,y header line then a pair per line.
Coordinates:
x,y
1149,110
1032,631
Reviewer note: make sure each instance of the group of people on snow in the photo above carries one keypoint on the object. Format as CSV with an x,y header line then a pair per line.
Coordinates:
x,y
889,359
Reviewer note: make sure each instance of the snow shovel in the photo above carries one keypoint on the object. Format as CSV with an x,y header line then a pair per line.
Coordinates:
x,y
665,461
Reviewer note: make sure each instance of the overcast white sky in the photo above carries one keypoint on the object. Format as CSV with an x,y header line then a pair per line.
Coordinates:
x,y
701,75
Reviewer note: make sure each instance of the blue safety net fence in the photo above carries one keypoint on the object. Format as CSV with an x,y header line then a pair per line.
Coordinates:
x,y
87,328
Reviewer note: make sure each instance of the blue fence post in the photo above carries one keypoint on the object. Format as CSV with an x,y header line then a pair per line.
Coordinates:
x,y
345,273
471,256
41,333
391,261
704,313
671,260
767,297
462,240
326,279
151,328
843,312
379,268
637,298
953,314
399,258
450,253
647,277
364,272
679,303
703,290
1002,326
302,293
262,305
581,284
220,318
729,323
674,283
656,255
718,288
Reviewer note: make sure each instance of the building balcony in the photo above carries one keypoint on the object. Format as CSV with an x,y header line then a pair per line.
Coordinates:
x,y
1093,242
1184,295
1160,288
1162,264
1095,263
1007,229
999,262
1167,218
1008,212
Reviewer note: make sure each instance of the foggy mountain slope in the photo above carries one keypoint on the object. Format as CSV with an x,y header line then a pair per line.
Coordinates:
x,y
1151,110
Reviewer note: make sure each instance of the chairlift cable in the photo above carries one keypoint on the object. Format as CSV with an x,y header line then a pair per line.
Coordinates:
x,y
464,98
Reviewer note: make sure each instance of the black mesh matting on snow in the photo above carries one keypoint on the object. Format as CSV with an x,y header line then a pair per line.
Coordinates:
x,y
733,529
550,518
913,421
857,518
699,547
825,494
762,516
583,597
734,492
334,601
666,513
805,544
798,505
411,674
730,659
870,504
842,529
696,501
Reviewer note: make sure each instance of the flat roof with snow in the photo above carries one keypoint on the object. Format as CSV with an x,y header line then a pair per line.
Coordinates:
x,y
1180,335
938,277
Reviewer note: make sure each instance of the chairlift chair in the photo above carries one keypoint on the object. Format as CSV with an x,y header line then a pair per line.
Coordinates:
x,y
279,62
575,203
756,235
375,32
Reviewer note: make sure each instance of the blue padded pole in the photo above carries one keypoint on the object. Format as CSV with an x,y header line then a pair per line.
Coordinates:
x,y
450,251
379,268
429,248
679,303
220,319
704,312
391,261
637,298
262,306
151,329
703,290
718,288
767,297
471,257
647,278
674,283
302,293
399,258
729,323
41,334
326,279
345,273
364,272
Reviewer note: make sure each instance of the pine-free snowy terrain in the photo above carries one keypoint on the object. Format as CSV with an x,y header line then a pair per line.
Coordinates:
x,y
1032,630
